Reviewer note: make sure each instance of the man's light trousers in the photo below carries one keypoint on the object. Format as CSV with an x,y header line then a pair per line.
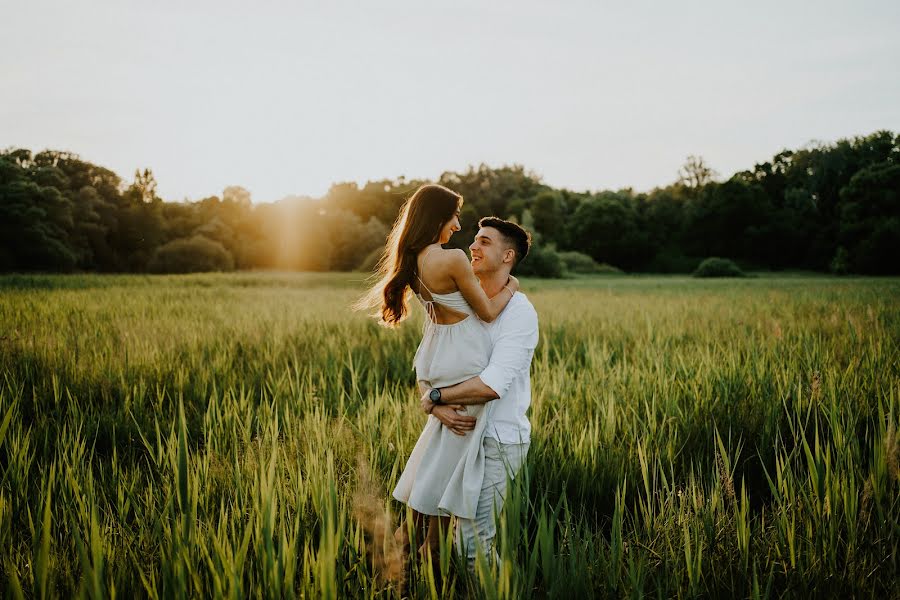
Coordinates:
x,y
501,462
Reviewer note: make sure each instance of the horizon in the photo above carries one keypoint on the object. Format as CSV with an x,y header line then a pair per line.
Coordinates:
x,y
286,100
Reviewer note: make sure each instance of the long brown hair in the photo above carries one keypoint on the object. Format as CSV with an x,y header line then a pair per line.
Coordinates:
x,y
418,225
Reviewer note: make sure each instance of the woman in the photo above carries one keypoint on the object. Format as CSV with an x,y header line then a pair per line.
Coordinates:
x,y
444,472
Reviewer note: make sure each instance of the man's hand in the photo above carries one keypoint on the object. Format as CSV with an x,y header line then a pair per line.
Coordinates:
x,y
447,414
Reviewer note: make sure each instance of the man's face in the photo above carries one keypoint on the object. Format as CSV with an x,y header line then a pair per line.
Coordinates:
x,y
488,250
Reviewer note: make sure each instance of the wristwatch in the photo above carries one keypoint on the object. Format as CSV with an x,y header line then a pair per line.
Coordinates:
x,y
435,395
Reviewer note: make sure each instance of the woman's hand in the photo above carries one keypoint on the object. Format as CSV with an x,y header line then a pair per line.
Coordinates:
x,y
447,414
426,403
451,419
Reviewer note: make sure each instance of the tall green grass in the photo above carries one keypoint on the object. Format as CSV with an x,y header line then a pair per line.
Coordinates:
x,y
238,436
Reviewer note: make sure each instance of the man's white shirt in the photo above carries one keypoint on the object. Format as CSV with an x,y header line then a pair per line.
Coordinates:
x,y
514,336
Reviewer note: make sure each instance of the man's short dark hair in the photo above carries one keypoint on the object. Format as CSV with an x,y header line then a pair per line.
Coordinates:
x,y
513,234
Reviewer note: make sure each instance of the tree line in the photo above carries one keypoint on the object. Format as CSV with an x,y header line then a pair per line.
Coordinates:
x,y
825,207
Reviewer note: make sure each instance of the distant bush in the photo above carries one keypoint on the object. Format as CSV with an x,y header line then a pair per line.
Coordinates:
x,y
191,255
718,267
542,261
606,269
580,263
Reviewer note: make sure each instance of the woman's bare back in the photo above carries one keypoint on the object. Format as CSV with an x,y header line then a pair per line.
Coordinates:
x,y
433,277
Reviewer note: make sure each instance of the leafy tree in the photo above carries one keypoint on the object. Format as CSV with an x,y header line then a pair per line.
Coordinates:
x,y
728,220
821,206
34,218
489,192
352,239
547,210
606,228
870,219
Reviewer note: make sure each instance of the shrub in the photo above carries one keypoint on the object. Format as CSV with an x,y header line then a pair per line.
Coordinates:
x,y
607,269
542,261
578,262
191,255
718,267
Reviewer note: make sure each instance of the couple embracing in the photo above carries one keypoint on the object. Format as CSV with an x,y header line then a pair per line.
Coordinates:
x,y
472,366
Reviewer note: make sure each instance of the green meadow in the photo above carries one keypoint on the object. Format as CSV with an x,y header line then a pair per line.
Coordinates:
x,y
238,435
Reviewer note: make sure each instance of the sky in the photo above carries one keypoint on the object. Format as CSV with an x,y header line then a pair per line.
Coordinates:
x,y
286,98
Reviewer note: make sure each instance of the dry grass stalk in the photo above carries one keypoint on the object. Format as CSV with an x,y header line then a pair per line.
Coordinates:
x,y
377,522
725,477
892,452
815,387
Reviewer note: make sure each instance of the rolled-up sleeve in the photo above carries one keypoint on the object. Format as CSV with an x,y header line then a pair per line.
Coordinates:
x,y
513,348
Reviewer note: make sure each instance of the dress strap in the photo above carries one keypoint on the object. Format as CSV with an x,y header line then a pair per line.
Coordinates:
x,y
430,293
428,303
422,283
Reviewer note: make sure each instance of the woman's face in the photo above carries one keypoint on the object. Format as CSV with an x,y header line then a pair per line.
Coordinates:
x,y
449,228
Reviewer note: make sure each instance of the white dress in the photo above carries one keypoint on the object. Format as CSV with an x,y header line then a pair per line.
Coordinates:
x,y
444,472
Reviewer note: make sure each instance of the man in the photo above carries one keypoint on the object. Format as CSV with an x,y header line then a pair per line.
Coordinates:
x,y
499,245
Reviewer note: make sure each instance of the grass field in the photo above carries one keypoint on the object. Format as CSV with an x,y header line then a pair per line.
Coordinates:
x,y
238,435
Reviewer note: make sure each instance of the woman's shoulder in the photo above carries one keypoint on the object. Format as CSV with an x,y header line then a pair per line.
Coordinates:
x,y
452,256
442,267
445,267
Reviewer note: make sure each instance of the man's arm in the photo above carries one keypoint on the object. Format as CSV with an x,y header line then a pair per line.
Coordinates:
x,y
471,391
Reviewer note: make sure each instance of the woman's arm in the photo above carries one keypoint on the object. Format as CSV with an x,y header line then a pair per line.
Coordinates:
x,y
486,308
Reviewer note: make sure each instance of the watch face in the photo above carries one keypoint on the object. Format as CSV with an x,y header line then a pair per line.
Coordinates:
x,y
435,395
